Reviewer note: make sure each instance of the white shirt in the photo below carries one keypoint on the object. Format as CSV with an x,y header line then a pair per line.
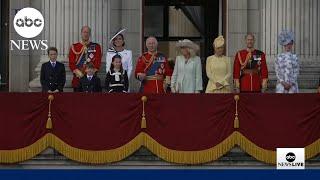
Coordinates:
x,y
126,60
89,77
53,63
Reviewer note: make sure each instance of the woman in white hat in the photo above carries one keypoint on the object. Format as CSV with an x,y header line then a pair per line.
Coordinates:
x,y
117,47
287,65
218,69
187,75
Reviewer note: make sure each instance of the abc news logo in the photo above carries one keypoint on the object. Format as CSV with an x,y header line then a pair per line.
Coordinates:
x,y
28,23
290,158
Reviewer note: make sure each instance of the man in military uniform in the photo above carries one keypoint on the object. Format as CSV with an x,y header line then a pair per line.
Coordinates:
x,y
53,73
250,69
83,53
153,69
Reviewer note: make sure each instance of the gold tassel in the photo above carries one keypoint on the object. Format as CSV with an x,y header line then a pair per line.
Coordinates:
x,y
49,121
236,123
143,120
143,123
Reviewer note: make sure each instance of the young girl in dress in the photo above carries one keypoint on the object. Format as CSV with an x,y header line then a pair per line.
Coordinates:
x,y
117,78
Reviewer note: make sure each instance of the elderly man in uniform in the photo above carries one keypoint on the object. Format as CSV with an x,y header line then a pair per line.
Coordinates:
x,y
153,69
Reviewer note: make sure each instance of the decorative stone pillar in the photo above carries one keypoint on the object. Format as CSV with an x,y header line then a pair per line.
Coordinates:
x,y
64,19
302,17
63,22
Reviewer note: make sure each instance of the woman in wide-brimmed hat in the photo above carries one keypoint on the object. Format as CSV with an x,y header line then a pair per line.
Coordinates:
x,y
218,69
287,65
187,75
117,47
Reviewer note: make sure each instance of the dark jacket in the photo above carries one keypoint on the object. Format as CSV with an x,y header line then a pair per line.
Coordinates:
x,y
90,86
114,85
52,78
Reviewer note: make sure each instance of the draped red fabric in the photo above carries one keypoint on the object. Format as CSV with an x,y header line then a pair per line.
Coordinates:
x,y
98,122
22,119
280,121
190,122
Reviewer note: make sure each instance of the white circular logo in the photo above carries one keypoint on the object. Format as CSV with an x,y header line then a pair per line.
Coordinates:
x,y
28,22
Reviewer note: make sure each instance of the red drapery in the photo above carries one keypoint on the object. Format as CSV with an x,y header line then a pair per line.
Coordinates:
x,y
188,129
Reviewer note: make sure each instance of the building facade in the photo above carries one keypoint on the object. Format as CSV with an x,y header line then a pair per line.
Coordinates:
x,y
64,18
264,18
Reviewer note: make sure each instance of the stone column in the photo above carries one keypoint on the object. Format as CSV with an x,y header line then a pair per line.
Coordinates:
x,y
18,60
302,17
63,22
237,25
66,17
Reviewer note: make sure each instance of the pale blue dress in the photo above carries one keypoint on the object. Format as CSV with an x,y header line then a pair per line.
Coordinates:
x,y
187,75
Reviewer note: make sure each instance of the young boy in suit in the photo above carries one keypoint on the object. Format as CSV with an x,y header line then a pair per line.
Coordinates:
x,y
90,83
53,73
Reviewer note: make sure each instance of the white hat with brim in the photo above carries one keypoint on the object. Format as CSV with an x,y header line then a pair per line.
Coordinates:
x,y
117,34
189,44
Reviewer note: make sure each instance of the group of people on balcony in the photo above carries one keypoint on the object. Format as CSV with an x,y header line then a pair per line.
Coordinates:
x,y
249,72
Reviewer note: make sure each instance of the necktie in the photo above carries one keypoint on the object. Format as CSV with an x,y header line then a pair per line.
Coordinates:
x,y
89,78
53,64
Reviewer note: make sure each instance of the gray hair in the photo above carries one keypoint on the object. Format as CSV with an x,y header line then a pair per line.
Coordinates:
x,y
83,27
152,37
250,34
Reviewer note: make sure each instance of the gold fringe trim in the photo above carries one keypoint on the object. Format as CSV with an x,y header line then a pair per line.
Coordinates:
x,y
189,157
255,151
83,156
96,157
312,150
143,139
23,154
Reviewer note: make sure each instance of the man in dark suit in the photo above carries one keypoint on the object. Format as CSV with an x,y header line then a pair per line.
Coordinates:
x,y
90,82
53,73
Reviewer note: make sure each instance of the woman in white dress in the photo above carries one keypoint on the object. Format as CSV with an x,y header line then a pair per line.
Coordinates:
x,y
287,65
117,44
187,74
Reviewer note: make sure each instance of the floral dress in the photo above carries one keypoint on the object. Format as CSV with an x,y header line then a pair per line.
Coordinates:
x,y
287,70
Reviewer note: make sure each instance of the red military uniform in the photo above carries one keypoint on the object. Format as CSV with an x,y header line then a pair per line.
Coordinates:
x,y
157,70
79,56
250,71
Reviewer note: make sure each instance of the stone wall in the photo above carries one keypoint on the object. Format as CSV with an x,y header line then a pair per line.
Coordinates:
x,y
266,19
63,22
